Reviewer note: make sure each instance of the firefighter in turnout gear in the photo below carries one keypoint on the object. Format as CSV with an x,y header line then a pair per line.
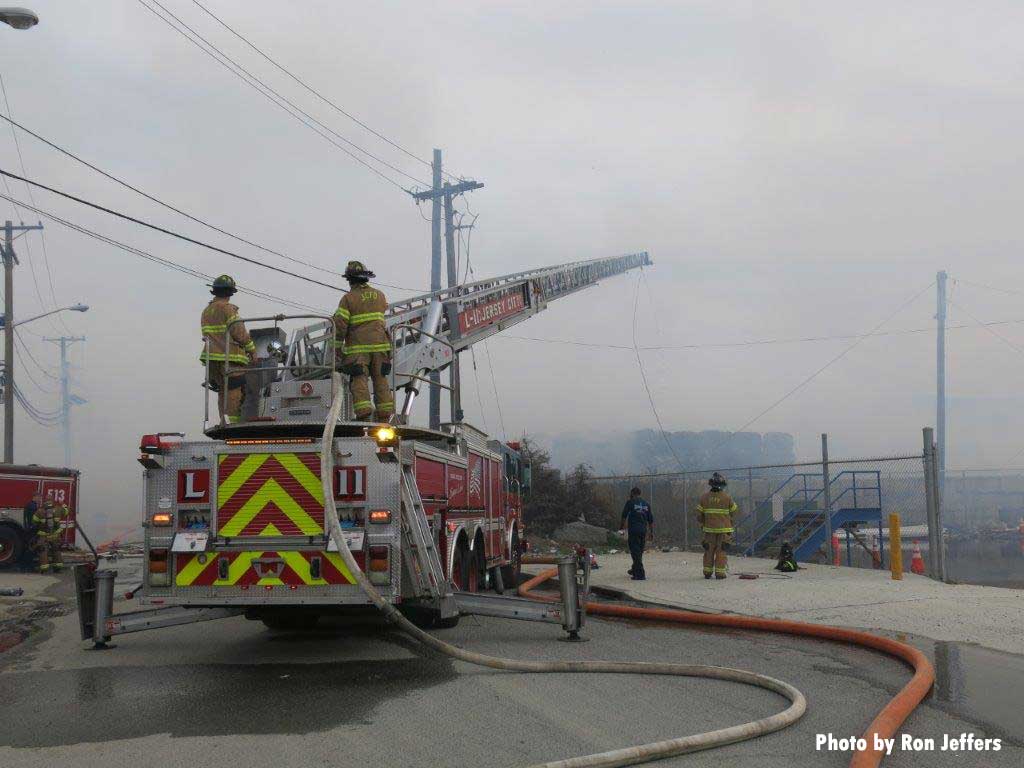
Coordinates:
x,y
47,522
716,512
363,346
240,349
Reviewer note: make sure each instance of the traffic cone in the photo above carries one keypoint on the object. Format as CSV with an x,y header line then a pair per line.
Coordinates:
x,y
835,548
916,561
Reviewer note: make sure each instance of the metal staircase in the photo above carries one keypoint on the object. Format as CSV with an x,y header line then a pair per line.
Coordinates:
x,y
855,499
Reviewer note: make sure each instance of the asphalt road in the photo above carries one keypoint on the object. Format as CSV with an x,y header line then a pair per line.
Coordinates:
x,y
354,692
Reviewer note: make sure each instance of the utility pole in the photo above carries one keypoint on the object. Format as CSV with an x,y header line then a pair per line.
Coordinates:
x,y
10,259
442,194
66,398
940,376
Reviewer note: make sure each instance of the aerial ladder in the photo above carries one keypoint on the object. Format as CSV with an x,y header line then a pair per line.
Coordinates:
x,y
429,330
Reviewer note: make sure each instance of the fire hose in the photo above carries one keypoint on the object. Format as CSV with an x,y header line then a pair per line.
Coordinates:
x,y
618,757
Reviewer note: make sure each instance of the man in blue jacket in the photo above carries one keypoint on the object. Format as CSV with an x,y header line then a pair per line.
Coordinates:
x,y
637,520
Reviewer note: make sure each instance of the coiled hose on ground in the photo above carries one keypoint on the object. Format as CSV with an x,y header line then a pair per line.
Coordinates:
x,y
618,757
885,724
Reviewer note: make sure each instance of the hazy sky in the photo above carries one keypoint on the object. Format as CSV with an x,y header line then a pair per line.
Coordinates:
x,y
795,169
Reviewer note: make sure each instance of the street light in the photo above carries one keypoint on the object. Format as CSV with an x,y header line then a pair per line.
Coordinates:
x,y
73,308
19,18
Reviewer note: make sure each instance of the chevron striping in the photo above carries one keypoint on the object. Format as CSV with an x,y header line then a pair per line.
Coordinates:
x,y
270,492
227,486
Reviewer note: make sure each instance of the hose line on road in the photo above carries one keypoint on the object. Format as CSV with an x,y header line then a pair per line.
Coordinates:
x,y
618,757
885,724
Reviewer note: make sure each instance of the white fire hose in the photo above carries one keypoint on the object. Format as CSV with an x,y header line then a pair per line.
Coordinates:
x,y
617,757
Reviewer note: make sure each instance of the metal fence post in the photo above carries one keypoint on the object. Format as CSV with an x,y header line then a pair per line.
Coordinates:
x,y
827,494
931,501
752,508
686,519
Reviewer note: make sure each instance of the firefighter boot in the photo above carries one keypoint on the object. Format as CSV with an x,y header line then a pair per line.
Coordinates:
x,y
721,564
709,558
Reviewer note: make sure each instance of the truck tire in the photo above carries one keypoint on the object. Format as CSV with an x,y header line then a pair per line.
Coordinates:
x,y
510,573
471,571
12,547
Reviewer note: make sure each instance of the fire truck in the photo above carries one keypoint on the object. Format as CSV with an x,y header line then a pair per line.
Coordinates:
x,y
234,523
20,484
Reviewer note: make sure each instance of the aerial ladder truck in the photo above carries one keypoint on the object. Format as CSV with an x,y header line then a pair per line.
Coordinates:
x,y
234,523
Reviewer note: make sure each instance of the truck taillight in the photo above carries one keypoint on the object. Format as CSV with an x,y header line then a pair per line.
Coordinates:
x,y
378,564
380,516
162,518
159,575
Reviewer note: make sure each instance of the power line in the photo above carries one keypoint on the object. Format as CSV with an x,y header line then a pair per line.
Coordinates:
x,y
829,364
999,336
232,66
42,235
172,233
760,342
313,91
179,211
158,259
643,378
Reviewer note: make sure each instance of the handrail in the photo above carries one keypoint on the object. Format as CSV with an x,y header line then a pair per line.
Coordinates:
x,y
242,369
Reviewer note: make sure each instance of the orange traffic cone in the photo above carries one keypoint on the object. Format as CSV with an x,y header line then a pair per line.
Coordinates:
x,y
916,561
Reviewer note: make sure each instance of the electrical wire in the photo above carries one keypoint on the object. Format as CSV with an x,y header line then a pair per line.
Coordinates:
x,y
164,204
761,342
643,377
316,93
42,234
160,260
172,233
273,96
826,366
42,369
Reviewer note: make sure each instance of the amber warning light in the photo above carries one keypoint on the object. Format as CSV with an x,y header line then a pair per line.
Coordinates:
x,y
380,516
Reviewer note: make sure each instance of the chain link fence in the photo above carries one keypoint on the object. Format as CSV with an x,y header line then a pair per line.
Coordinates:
x,y
787,503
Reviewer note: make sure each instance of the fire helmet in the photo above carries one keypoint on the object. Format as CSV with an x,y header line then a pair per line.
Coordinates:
x,y
356,271
717,482
223,283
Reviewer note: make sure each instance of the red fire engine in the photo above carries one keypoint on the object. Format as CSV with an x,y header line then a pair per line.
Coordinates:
x,y
20,484
234,524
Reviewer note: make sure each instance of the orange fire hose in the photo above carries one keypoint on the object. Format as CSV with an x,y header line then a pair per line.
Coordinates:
x,y
885,724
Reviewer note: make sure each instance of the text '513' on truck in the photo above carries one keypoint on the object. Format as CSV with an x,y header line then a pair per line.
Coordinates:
x,y
234,522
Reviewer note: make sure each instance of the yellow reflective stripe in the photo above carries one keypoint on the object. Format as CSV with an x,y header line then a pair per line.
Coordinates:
x,y
220,357
214,328
366,317
228,486
717,511
270,492
342,312
362,404
230,320
335,559
386,406
720,570
250,346
357,349
734,508
718,530
193,570
302,474
700,508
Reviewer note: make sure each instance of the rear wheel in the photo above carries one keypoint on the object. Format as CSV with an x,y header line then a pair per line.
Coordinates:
x,y
11,546
510,573
472,571
458,574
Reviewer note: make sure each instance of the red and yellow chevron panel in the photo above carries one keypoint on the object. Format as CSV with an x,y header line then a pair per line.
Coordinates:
x,y
269,494
263,569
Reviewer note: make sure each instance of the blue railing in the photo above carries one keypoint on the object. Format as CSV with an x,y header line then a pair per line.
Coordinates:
x,y
848,485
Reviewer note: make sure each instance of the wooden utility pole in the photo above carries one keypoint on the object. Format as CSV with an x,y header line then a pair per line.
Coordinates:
x,y
9,261
442,194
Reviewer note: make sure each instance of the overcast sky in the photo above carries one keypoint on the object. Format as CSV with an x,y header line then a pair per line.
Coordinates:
x,y
795,169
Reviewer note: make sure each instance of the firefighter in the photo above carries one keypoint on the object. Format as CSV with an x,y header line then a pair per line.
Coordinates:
x,y
362,343
637,520
47,522
241,350
716,512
